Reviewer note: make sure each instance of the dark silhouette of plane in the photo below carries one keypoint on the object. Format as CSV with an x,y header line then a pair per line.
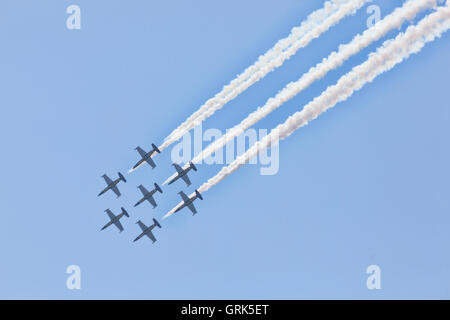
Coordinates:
x,y
182,173
147,231
148,195
115,219
112,185
188,202
146,157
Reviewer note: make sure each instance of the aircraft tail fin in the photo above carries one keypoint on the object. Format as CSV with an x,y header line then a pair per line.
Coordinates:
x,y
125,212
156,223
158,188
198,195
122,177
192,166
155,148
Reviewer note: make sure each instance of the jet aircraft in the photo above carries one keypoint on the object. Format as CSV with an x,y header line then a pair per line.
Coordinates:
x,y
188,202
148,195
182,173
112,185
146,157
147,231
115,219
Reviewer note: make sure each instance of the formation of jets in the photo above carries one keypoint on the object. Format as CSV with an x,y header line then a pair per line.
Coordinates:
x,y
146,157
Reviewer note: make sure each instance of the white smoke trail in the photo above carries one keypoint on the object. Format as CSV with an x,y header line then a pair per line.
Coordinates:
x,y
175,208
316,24
391,53
407,12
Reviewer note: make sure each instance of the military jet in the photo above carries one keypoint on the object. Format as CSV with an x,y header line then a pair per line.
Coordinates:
x,y
112,185
182,173
115,219
148,195
147,231
146,157
188,202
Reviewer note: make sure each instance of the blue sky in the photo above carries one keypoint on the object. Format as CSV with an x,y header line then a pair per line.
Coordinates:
x,y
366,183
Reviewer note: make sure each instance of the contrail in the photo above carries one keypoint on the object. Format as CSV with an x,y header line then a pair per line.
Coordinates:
x,y
317,23
391,53
174,209
408,11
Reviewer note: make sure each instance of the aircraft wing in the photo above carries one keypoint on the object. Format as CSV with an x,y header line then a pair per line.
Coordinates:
x,y
183,196
178,168
141,152
107,179
152,201
192,208
116,190
151,236
143,226
150,162
110,214
118,225
186,179
143,190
